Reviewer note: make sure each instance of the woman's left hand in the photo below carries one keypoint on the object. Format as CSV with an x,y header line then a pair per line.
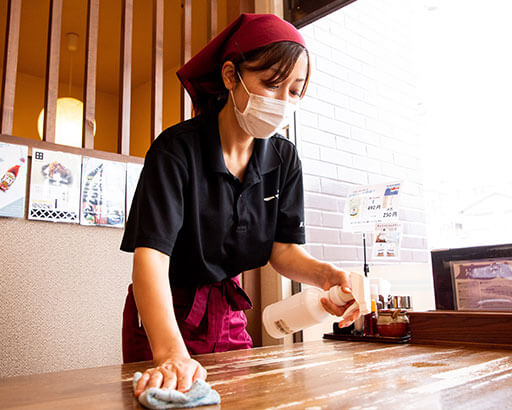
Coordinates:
x,y
337,277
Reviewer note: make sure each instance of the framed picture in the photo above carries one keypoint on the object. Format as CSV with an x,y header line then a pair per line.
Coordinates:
x,y
465,269
482,284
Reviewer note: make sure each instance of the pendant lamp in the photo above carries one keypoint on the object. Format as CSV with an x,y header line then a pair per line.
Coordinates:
x,y
68,129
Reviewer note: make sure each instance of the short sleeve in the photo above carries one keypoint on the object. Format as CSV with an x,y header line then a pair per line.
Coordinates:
x,y
156,214
290,219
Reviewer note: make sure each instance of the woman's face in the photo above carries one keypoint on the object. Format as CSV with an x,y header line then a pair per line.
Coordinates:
x,y
289,90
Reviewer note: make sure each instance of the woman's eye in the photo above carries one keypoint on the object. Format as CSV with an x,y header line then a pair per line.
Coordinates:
x,y
294,93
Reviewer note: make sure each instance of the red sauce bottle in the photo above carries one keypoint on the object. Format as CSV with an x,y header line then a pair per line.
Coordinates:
x,y
370,321
9,177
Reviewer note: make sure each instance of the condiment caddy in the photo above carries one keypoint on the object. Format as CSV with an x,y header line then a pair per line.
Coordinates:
x,y
387,322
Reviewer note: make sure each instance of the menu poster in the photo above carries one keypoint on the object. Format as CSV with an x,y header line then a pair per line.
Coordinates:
x,y
387,241
482,284
368,205
13,179
132,178
103,192
55,186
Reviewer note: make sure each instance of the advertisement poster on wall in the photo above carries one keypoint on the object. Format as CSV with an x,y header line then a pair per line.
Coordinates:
x,y
55,186
387,241
103,193
132,178
13,179
369,205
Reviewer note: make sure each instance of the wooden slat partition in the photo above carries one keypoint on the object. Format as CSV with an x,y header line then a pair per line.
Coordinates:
x,y
232,10
235,7
247,6
212,20
186,53
125,77
91,53
157,80
12,37
52,70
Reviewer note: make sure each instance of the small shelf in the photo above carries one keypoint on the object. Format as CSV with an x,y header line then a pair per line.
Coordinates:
x,y
363,338
486,329
31,143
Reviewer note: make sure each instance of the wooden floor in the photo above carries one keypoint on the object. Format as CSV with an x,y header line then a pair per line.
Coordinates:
x,y
326,374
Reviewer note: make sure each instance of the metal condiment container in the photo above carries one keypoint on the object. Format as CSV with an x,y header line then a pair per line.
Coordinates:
x,y
399,302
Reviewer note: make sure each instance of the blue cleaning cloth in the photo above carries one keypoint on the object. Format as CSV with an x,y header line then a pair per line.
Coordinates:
x,y
200,394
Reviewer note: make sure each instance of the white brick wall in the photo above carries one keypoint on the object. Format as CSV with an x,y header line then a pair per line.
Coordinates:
x,y
358,124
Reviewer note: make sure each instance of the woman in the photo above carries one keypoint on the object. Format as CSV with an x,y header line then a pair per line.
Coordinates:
x,y
219,194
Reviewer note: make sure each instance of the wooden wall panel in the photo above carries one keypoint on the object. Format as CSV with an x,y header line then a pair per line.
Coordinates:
x,y
91,53
235,7
247,6
212,19
186,53
12,37
216,11
52,70
157,80
125,77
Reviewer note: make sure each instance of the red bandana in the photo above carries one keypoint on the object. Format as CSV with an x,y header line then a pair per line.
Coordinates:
x,y
200,75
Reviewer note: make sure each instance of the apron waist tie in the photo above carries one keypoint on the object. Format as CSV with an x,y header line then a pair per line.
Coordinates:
x,y
230,288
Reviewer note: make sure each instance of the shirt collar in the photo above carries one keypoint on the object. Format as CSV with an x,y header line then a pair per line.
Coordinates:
x,y
213,146
265,156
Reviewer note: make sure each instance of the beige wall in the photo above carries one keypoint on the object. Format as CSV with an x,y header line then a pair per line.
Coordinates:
x,y
62,290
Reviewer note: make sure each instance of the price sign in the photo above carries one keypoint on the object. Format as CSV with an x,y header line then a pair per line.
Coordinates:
x,y
369,205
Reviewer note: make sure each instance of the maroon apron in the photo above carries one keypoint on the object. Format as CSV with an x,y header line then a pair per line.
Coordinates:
x,y
211,319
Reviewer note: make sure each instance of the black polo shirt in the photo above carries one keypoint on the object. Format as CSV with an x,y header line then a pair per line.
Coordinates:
x,y
213,226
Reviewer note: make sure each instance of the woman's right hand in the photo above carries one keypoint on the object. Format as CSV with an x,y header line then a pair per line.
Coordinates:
x,y
175,372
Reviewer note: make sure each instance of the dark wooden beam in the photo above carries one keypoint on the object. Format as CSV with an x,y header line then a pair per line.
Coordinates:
x,y
12,37
186,53
305,12
125,77
52,71
157,79
91,53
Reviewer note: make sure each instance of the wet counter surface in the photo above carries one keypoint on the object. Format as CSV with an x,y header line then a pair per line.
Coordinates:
x,y
326,374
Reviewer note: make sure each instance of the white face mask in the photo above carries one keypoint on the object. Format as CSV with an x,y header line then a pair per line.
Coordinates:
x,y
262,115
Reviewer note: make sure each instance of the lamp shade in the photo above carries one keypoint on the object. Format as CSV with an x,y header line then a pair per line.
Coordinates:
x,y
69,122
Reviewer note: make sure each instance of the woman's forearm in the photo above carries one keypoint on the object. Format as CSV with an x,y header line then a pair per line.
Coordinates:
x,y
292,261
153,297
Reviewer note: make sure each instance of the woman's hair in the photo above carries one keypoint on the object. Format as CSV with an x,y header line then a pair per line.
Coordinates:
x,y
283,55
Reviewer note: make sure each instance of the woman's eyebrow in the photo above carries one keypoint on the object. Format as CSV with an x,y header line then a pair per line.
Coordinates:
x,y
298,80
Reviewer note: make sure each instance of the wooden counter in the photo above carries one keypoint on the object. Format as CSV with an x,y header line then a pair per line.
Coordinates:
x,y
327,374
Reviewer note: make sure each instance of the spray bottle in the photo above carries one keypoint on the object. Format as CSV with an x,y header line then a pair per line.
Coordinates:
x,y
305,309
